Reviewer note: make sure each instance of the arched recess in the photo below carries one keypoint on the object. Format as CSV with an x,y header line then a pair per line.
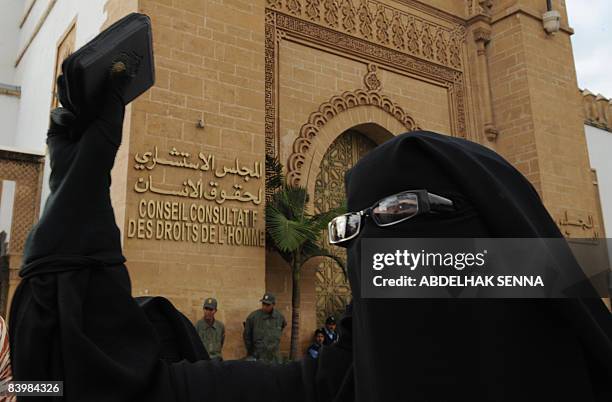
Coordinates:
x,y
337,115
372,121
331,288
373,115
321,276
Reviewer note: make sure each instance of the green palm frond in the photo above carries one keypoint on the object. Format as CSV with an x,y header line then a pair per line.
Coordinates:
x,y
274,173
291,201
321,220
292,232
287,234
297,198
287,256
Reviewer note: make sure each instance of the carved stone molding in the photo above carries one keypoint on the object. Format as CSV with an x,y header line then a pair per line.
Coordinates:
x,y
371,80
357,46
329,110
360,49
282,26
385,25
271,46
479,7
482,36
370,96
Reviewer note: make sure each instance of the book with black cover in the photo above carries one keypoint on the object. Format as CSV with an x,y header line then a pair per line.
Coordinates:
x,y
128,40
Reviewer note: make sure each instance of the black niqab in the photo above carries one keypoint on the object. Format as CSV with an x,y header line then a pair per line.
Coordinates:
x,y
459,350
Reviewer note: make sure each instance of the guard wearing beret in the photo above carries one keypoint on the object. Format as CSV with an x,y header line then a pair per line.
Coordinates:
x,y
263,329
211,330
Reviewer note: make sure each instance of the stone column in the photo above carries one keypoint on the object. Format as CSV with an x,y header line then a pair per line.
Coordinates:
x,y
482,36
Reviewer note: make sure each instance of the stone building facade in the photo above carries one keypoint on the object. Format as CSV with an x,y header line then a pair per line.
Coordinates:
x,y
318,83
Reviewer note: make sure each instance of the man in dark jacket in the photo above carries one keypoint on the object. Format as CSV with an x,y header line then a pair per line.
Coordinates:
x,y
263,329
329,330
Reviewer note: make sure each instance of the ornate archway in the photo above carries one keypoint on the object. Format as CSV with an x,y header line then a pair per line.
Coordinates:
x,y
313,162
336,136
337,106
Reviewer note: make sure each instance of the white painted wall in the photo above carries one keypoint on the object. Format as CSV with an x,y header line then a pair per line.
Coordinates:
x,y
10,13
599,143
9,107
9,31
35,71
25,120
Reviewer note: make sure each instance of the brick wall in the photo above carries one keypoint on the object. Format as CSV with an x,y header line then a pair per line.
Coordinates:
x,y
539,114
208,67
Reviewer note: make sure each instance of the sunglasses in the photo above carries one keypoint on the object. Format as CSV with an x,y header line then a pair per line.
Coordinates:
x,y
388,211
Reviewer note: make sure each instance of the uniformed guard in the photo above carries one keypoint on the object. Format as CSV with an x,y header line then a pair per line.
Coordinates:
x,y
211,331
331,336
263,329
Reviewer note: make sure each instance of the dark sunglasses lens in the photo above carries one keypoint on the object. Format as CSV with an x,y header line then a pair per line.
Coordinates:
x,y
343,227
395,208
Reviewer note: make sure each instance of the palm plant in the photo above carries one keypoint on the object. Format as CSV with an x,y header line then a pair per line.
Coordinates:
x,y
294,234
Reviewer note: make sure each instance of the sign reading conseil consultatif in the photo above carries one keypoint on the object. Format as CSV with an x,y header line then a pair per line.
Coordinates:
x,y
212,205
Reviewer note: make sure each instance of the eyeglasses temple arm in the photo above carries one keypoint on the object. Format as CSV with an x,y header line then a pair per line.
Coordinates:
x,y
439,203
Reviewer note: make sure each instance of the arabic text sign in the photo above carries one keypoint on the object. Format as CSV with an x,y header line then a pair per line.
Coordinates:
x,y
198,188
207,220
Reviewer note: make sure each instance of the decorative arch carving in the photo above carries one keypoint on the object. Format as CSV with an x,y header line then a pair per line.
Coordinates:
x,y
446,71
336,105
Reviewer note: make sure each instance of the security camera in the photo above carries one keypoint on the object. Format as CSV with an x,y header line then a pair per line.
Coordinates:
x,y
551,20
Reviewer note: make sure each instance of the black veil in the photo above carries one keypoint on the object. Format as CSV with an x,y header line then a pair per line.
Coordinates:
x,y
459,350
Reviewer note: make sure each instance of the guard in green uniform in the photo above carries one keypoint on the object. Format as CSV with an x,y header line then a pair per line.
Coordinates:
x,y
211,331
263,329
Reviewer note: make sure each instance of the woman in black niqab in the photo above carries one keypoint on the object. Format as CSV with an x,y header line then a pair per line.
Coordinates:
x,y
468,350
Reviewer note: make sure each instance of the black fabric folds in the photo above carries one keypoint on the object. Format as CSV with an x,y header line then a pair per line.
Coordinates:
x,y
468,350
73,318
78,219
179,339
